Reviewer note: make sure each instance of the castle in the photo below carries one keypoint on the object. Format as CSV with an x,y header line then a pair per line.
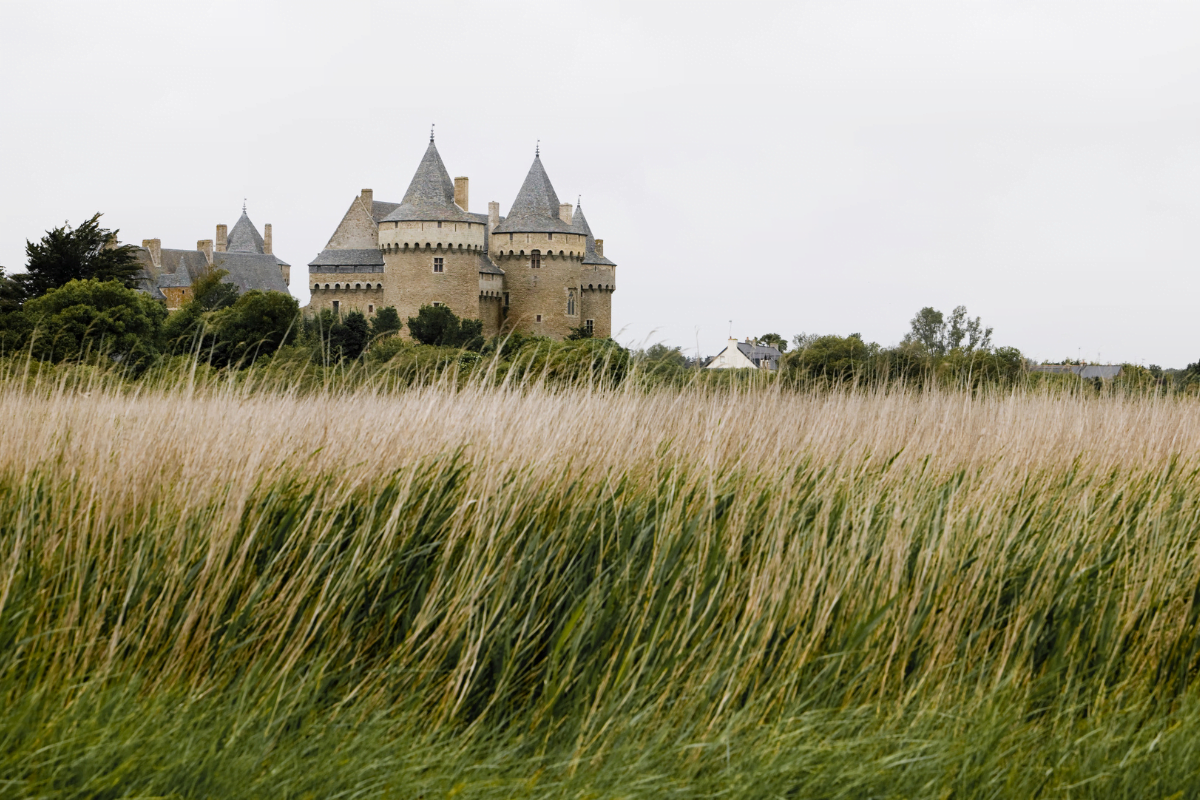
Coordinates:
x,y
538,270
243,252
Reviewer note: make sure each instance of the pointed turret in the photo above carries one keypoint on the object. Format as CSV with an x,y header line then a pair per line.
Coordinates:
x,y
579,225
430,195
179,279
244,238
536,208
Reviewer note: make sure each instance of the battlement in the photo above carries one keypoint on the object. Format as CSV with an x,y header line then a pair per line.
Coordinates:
x,y
401,236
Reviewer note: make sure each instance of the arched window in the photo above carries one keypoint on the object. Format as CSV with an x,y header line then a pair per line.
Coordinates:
x,y
571,303
535,259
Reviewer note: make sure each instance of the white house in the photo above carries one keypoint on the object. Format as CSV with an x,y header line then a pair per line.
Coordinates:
x,y
746,355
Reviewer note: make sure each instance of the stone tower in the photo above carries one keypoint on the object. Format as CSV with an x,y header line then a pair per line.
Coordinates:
x,y
542,258
434,250
597,279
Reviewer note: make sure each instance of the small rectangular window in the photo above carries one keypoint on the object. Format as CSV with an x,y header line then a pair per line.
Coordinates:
x,y
539,318
370,308
591,325
506,298
439,265
550,237
337,306
436,303
439,224
535,259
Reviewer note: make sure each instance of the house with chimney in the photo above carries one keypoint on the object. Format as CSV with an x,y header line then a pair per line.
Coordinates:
x,y
247,255
746,355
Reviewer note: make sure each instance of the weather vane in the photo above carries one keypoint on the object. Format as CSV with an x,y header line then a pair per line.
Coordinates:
x,y
243,205
431,126
537,151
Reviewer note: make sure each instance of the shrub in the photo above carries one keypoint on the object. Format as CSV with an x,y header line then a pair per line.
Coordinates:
x,y
93,317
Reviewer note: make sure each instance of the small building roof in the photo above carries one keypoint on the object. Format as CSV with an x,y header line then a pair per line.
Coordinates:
x,y
1103,371
348,258
536,208
178,279
579,225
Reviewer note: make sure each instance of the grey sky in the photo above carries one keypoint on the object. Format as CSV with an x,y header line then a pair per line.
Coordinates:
x,y
819,167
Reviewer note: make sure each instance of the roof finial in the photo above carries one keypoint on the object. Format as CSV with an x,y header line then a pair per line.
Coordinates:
x,y
243,205
537,151
431,126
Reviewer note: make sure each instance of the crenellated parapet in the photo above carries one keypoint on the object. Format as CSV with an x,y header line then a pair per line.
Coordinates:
x,y
406,236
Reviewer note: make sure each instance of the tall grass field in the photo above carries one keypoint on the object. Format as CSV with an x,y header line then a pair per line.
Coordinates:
x,y
528,591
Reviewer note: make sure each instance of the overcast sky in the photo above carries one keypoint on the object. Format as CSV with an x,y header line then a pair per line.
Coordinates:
x,y
823,167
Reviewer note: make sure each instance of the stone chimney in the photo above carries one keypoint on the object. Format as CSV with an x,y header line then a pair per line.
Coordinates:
x,y
600,247
155,248
205,246
111,243
493,215
222,238
564,212
368,198
460,193
267,238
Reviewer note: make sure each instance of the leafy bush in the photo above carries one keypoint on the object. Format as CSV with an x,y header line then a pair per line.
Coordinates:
x,y
91,317
438,325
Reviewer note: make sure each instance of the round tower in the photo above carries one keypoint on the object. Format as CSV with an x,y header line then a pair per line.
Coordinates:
x,y
542,257
432,246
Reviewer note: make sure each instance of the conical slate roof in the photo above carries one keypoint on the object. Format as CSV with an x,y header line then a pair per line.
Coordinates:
x,y
579,225
178,279
244,238
430,196
536,208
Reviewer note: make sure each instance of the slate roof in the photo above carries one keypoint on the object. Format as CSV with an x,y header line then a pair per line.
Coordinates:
x,y
579,225
380,210
757,351
251,271
181,277
348,258
1102,371
430,196
536,208
486,265
244,238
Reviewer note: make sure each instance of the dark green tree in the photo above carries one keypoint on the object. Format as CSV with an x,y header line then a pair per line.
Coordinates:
x,y
774,340
96,318
257,325
579,334
659,353
210,292
831,357
67,254
348,337
386,322
438,325
928,328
